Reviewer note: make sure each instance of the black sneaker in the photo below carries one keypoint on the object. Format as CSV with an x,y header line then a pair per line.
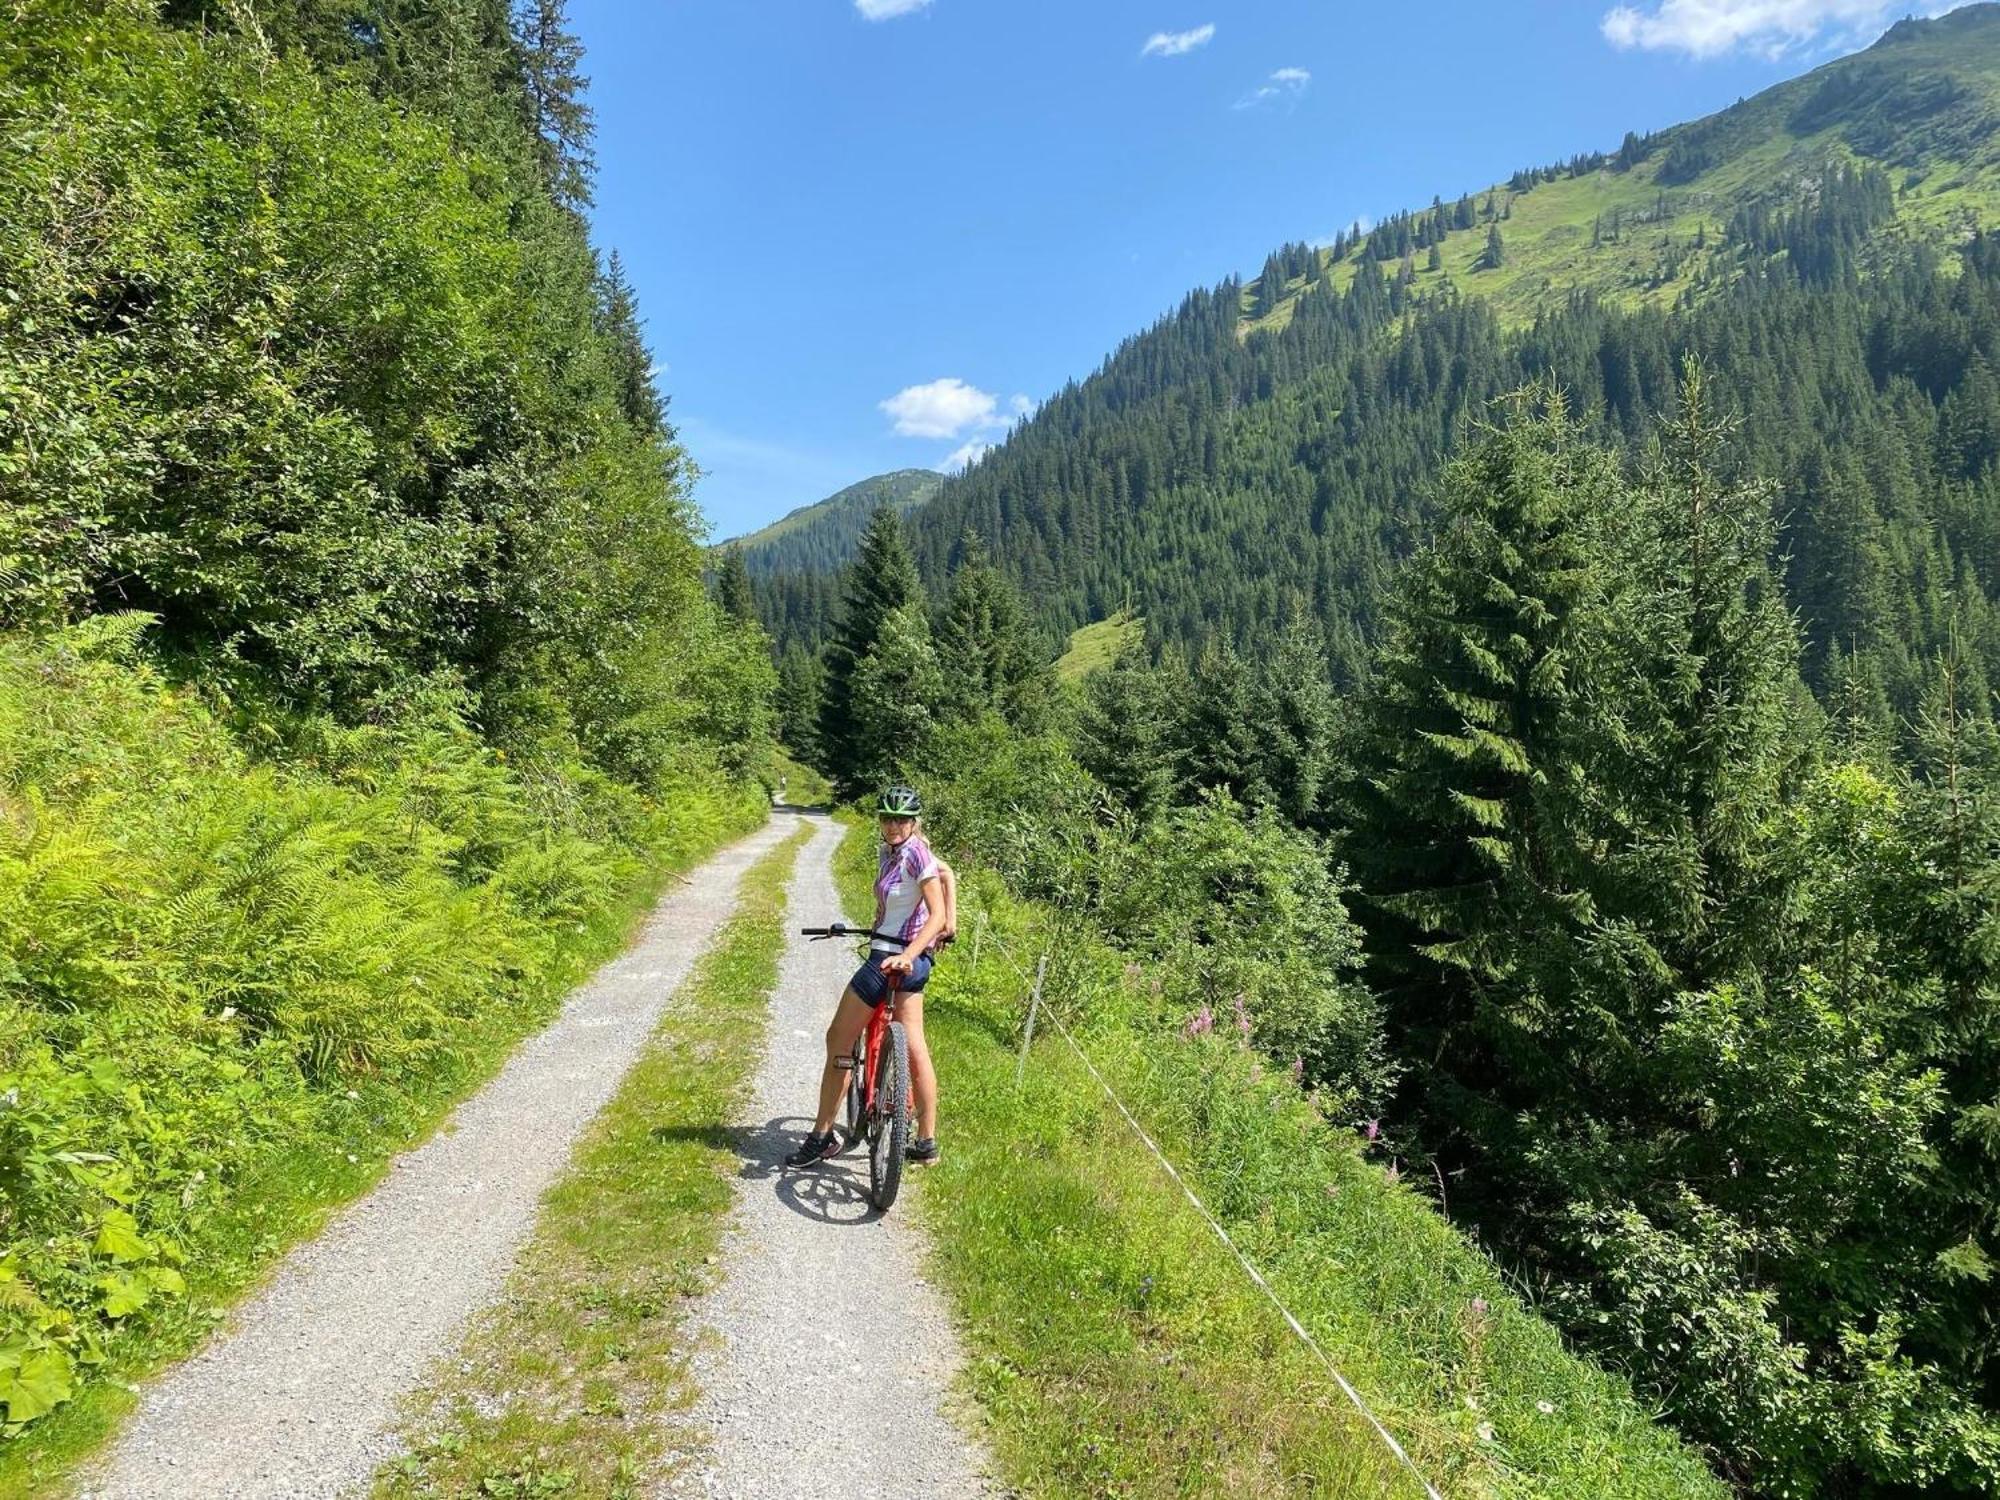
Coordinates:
x,y
815,1148
924,1152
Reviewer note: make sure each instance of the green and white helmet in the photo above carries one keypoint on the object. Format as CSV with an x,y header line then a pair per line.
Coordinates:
x,y
899,802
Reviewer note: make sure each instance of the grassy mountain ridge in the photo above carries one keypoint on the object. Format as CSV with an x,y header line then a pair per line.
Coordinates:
x,y
821,536
1272,442
1645,224
1248,456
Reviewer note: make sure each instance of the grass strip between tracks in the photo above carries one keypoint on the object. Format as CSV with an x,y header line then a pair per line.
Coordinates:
x,y
569,1385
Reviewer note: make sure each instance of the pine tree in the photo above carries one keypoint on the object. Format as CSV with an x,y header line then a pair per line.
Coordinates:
x,y
1126,731
989,662
1299,743
1435,260
797,703
895,699
1219,737
733,593
880,581
554,86
1495,254
1469,700
631,364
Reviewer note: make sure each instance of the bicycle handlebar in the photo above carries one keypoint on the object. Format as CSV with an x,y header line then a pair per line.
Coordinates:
x,y
841,929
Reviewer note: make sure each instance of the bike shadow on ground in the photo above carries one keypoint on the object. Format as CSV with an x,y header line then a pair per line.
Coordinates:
x,y
834,1192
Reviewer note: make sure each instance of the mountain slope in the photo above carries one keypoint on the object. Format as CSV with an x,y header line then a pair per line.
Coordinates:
x,y
1648,223
821,536
1251,453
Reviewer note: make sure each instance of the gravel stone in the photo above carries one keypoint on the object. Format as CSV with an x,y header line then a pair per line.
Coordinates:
x,y
829,1369
299,1396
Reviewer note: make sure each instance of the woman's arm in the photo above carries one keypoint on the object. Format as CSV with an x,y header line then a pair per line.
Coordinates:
x,y
950,878
927,934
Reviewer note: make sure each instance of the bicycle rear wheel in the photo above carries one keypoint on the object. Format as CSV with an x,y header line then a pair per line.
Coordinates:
x,y
891,1134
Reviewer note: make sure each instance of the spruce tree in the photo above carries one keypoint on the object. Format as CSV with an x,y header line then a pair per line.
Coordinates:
x,y
631,363
1468,728
895,699
553,89
1299,743
988,659
733,593
1495,254
880,581
797,703
1126,731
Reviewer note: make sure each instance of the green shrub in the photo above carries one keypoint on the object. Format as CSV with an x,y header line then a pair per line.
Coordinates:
x,y
205,956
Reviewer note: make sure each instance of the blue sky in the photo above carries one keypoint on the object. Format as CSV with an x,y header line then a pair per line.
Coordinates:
x,y
866,234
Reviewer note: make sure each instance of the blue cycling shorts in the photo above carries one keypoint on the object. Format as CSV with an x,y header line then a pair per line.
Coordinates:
x,y
872,985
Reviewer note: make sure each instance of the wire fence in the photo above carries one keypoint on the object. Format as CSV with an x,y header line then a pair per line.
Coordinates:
x,y
1035,1006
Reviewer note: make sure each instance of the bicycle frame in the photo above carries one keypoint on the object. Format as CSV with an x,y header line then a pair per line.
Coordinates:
x,y
872,1038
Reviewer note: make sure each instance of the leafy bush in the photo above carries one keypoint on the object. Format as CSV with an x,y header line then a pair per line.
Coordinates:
x,y
202,954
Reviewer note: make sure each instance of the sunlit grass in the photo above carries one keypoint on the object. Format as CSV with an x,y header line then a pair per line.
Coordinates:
x,y
1117,1349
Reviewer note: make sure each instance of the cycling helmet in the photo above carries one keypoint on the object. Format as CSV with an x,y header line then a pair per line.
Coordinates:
x,y
899,802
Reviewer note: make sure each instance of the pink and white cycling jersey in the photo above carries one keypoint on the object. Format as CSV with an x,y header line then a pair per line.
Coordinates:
x,y
899,892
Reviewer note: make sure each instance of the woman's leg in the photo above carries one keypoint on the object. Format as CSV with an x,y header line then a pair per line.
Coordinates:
x,y
850,1019
923,1077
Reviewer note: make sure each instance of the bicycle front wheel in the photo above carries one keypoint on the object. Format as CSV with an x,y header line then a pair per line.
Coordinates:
x,y
891,1134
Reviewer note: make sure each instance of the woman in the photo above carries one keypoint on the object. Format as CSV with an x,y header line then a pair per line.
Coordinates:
x,y
916,900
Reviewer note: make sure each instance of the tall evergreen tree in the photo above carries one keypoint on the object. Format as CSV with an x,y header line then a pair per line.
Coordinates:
x,y
1127,730
733,593
988,658
797,702
631,363
553,99
895,700
1299,744
880,581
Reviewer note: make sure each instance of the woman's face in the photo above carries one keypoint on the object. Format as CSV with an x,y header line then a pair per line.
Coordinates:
x,y
896,831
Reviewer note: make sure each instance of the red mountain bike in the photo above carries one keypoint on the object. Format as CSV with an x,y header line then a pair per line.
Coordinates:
x,y
878,1082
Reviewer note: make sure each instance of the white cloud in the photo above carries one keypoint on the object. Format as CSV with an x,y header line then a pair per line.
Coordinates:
x,y
963,458
1712,28
949,408
1286,83
946,408
888,10
1174,43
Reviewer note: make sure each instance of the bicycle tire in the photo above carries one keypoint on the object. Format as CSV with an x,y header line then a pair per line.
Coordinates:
x,y
891,1135
856,1123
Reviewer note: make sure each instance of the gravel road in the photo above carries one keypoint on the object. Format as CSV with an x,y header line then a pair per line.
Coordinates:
x,y
829,1369
299,1397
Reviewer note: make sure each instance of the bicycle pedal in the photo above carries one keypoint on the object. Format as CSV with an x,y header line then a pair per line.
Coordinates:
x,y
843,1062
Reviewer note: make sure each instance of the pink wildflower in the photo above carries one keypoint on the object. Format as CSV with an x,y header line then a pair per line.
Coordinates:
x,y
1201,1022
1299,1071
1372,1130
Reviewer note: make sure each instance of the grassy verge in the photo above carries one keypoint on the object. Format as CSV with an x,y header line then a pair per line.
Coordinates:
x,y
1116,1348
567,1386
233,989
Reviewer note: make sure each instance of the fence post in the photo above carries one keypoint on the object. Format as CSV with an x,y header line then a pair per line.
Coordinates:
x,y
1034,1005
